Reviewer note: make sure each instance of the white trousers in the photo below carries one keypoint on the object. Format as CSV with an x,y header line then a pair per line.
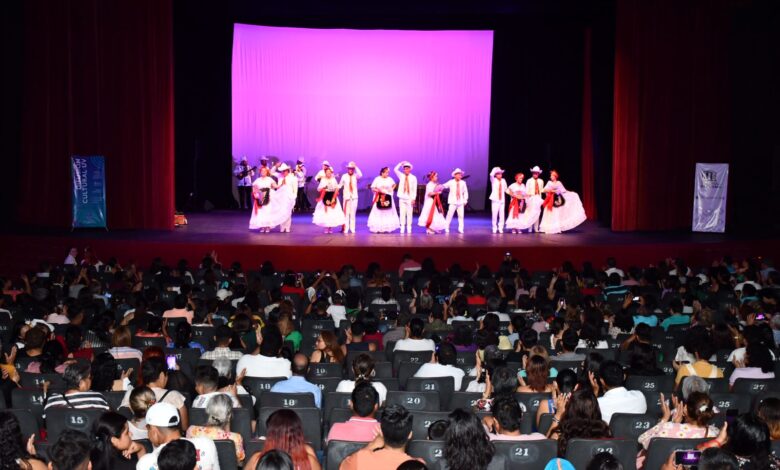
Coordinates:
x,y
406,210
498,214
285,226
350,208
451,211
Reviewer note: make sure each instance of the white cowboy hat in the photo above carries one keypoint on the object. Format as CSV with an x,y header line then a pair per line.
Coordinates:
x,y
283,167
404,164
456,170
325,163
264,159
351,165
496,169
536,169
300,160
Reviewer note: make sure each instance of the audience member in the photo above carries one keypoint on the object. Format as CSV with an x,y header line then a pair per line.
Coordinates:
x,y
443,365
415,339
387,449
362,425
616,398
297,382
284,432
114,448
164,426
219,412
363,368
264,361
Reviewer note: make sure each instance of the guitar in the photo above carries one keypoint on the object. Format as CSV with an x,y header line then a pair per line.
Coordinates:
x,y
245,173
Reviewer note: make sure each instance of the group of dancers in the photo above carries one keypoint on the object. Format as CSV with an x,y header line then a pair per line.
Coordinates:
x,y
534,206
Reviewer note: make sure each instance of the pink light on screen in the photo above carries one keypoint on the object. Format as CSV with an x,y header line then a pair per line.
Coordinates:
x,y
373,96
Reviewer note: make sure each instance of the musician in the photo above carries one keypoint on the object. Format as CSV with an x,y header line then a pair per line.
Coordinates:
x,y
497,188
301,202
244,173
349,191
407,194
457,198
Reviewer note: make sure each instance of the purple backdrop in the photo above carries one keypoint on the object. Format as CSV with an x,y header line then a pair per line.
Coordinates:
x,y
376,97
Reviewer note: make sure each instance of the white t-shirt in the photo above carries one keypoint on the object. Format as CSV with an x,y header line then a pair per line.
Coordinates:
x,y
438,370
206,452
347,386
202,400
263,366
600,345
620,400
410,344
337,313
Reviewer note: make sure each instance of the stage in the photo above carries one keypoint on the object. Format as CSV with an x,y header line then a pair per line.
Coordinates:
x,y
307,248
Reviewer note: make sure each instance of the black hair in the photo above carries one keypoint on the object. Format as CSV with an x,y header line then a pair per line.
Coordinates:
x,y
412,465
566,380
467,446
272,341
183,335
507,412
716,458
14,443
74,374
749,438
177,455
73,338
363,367
180,301
275,460
207,376
504,381
223,333
416,327
357,329
364,399
611,373
104,456
50,356
758,355
569,340
70,451
604,461
396,424
438,429
104,372
152,368
446,355
643,331
529,337
463,335
491,322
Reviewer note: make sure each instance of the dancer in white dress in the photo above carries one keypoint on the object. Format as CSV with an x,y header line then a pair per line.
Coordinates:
x,y
349,191
497,197
383,217
328,213
285,194
562,209
523,209
265,213
432,213
456,199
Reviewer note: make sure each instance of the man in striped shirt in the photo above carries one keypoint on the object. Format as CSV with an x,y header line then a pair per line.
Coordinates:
x,y
78,380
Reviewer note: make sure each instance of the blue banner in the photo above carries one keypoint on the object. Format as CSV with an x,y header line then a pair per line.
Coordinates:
x,y
89,191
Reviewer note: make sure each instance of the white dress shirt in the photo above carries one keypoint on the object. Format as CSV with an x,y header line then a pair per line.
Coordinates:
x,y
620,400
401,190
300,175
497,189
455,186
410,344
346,178
533,184
431,369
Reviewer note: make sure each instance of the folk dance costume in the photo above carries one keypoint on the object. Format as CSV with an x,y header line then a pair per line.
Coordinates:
x,y
456,199
302,202
321,174
432,213
285,195
328,212
266,211
562,210
244,174
407,195
349,191
523,210
383,217
535,189
497,197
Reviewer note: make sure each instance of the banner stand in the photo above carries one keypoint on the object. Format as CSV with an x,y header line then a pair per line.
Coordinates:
x,y
88,198
709,197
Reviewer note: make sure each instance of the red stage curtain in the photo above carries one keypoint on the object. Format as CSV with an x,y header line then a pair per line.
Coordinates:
x,y
671,107
98,80
588,172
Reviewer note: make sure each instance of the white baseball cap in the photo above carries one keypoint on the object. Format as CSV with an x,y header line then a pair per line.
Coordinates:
x,y
163,415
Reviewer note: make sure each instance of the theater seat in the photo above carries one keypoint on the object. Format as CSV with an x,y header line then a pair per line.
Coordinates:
x,y
531,455
444,386
340,450
415,401
310,417
631,425
226,453
659,449
59,419
580,451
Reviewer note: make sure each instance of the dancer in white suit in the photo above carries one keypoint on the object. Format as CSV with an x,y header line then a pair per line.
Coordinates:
x,y
328,213
432,213
523,209
407,194
457,198
383,217
349,191
535,188
562,209
497,197
285,194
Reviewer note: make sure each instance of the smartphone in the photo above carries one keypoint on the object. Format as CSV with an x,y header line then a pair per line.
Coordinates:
x,y
108,296
687,458
171,361
636,299
760,317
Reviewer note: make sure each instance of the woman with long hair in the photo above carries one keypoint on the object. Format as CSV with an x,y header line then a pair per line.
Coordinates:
x,y
769,411
565,382
106,376
748,438
16,450
114,449
466,444
327,349
537,370
284,432
757,364
578,416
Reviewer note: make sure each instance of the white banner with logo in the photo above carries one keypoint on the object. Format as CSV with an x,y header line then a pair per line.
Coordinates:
x,y
709,197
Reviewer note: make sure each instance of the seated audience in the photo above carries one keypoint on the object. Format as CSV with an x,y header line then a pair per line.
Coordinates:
x,y
467,446
224,336
264,360
363,368
178,455
388,448
415,339
616,398
297,382
16,448
114,448
71,451
219,410
284,432
443,365
504,424
362,425
141,399
327,349
164,426
155,376
207,386
78,379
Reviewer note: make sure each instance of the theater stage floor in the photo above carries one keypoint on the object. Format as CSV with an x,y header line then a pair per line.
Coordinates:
x,y
306,247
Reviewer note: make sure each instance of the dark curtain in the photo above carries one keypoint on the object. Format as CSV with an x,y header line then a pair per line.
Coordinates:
x,y
671,107
98,80
588,164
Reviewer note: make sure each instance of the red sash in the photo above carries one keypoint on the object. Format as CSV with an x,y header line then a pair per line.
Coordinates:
x,y
549,201
514,207
436,205
322,197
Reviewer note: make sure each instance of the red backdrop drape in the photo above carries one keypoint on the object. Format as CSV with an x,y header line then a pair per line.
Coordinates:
x,y
671,107
98,80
